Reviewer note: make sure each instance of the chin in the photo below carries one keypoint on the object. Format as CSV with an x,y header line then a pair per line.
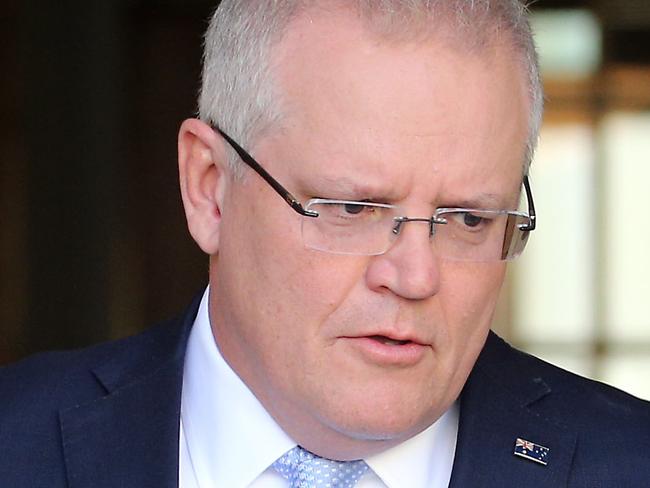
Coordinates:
x,y
391,423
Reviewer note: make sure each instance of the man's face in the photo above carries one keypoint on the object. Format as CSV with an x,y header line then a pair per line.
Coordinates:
x,y
420,125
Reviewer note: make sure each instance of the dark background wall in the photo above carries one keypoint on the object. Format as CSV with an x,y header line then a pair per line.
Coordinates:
x,y
92,235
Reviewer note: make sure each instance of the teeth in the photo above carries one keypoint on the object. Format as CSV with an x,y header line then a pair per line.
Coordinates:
x,y
389,341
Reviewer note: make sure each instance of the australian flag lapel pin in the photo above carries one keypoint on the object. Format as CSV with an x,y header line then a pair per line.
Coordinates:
x,y
531,451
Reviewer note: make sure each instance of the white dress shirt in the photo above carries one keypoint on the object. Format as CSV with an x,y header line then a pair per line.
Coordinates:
x,y
228,439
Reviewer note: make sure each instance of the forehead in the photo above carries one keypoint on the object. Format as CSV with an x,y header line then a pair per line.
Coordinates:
x,y
407,111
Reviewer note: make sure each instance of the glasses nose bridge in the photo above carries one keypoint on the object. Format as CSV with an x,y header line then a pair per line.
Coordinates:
x,y
432,221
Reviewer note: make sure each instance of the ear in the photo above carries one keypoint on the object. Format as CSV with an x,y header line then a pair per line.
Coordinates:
x,y
203,176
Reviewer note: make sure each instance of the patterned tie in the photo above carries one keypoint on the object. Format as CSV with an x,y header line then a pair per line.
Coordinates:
x,y
306,470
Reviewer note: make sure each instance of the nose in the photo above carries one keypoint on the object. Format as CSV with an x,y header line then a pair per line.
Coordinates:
x,y
410,268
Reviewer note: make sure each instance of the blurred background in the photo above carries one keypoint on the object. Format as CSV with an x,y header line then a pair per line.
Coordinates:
x,y
93,242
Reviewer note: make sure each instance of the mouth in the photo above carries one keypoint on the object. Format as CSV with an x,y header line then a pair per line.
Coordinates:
x,y
389,341
384,350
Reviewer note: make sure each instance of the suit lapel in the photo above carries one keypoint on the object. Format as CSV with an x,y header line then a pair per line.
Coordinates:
x,y
130,437
497,408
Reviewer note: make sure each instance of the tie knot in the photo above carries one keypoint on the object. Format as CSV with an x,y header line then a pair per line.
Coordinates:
x,y
306,470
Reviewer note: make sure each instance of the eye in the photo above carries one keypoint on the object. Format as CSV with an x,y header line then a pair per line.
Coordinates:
x,y
353,209
471,220
350,212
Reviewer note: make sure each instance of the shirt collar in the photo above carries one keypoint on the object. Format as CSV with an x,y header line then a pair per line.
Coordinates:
x,y
424,460
231,438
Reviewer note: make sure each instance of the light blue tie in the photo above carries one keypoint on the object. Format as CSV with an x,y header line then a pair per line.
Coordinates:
x,y
306,470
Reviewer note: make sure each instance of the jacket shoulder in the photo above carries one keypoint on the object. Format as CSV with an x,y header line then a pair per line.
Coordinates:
x,y
38,389
612,427
518,370
50,379
581,401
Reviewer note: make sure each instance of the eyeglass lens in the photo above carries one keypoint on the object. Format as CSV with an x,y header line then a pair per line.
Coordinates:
x,y
367,229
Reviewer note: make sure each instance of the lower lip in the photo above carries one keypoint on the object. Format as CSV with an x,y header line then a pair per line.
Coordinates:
x,y
378,352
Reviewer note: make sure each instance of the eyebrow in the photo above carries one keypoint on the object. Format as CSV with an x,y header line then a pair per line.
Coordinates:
x,y
484,201
362,190
351,186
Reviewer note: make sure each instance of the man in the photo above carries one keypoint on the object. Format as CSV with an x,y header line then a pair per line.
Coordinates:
x,y
355,177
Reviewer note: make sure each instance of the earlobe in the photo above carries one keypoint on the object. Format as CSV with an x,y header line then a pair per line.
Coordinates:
x,y
203,179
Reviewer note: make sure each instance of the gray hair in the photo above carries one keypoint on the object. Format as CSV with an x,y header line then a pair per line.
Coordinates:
x,y
238,92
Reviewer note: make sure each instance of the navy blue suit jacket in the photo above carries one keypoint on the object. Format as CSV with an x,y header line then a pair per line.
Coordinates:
x,y
108,417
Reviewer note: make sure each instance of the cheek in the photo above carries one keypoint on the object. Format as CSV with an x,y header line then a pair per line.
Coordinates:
x,y
468,300
476,282
470,295
275,280
316,289
265,239
286,326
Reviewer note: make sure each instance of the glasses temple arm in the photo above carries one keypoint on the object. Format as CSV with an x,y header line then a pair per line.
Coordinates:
x,y
255,166
531,207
